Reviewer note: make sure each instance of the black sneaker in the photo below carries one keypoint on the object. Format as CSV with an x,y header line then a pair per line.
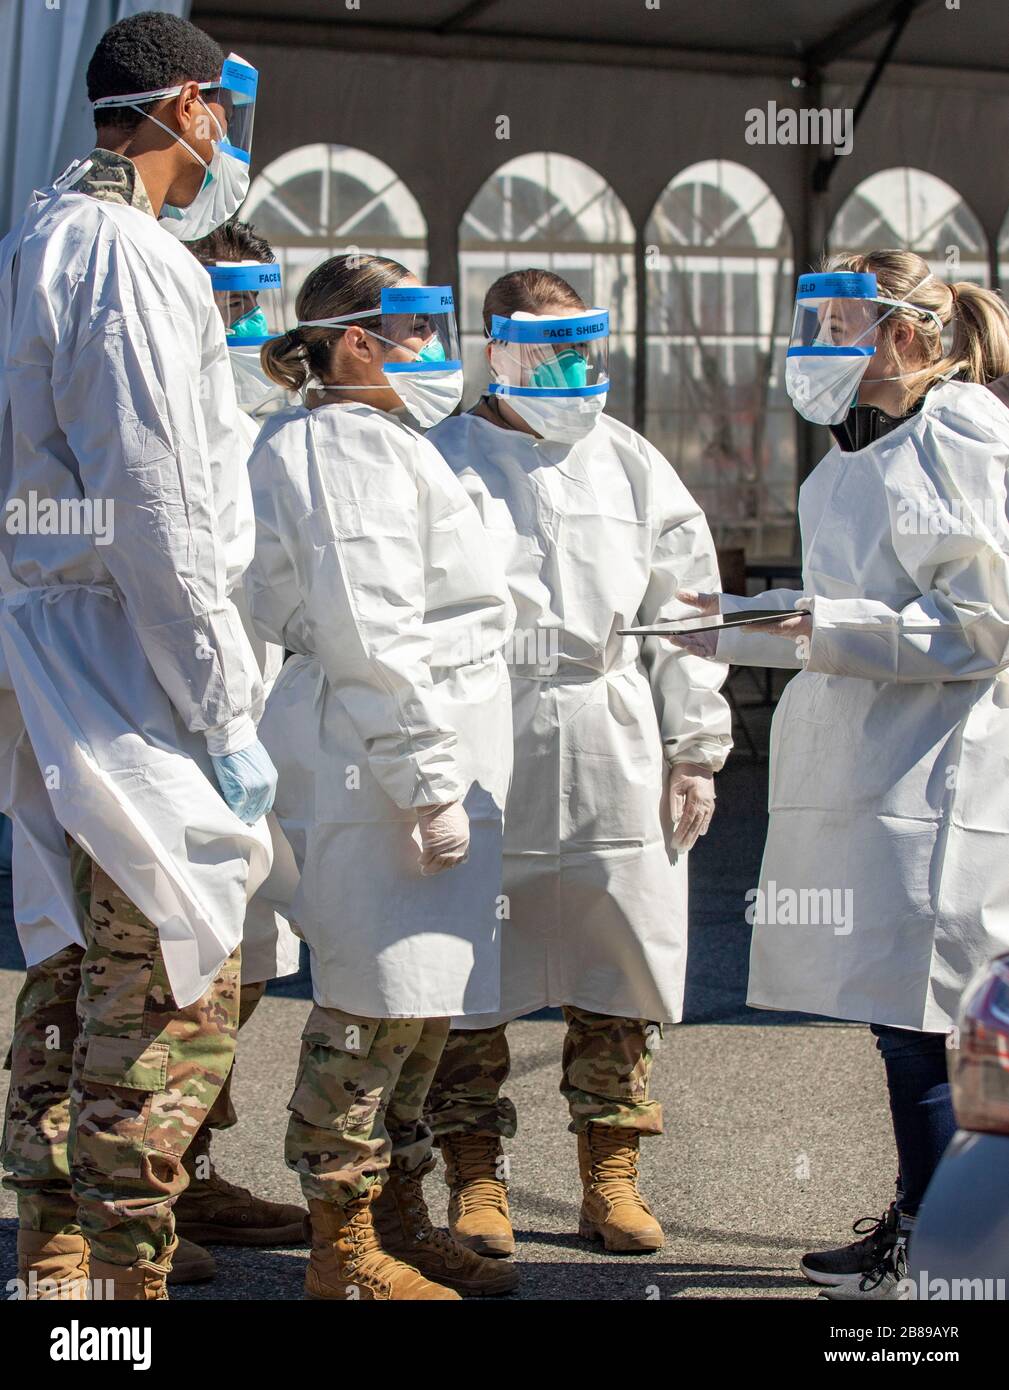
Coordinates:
x,y
849,1263
888,1280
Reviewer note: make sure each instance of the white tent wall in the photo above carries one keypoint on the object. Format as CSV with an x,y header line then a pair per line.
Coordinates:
x,y
436,122
45,116
948,123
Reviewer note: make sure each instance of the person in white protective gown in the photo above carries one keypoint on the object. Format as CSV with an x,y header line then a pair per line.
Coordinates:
x,y
391,729
885,880
616,742
120,462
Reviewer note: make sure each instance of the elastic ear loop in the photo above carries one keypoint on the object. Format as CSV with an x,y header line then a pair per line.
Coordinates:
x,y
176,136
340,324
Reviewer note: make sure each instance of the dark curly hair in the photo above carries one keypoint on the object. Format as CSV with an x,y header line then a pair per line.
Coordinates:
x,y
232,241
144,53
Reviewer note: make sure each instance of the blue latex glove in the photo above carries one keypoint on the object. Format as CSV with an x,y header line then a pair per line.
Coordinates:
x,y
248,781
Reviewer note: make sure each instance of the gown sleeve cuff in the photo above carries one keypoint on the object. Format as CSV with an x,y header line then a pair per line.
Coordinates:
x,y
232,737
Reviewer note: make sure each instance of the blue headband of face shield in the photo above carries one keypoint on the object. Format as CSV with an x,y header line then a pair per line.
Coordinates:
x,y
550,356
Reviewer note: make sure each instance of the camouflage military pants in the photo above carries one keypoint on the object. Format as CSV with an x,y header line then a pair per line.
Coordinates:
x,y
110,1079
605,1069
221,1114
358,1103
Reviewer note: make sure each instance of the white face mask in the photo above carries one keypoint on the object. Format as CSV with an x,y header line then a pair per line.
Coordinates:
x,y
257,394
564,419
428,397
823,389
223,193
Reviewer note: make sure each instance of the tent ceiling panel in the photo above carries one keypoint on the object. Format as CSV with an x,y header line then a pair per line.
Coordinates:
x,y
976,35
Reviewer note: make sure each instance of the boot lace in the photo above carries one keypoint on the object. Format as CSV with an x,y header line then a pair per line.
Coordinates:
x,y
416,1217
614,1163
221,1187
475,1159
366,1254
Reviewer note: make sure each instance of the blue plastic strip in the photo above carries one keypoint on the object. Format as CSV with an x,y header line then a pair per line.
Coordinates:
x,y
418,299
452,365
838,284
498,388
238,341
824,350
576,329
235,151
241,80
265,276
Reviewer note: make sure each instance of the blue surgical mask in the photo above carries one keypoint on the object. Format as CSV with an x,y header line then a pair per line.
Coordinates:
x,y
250,325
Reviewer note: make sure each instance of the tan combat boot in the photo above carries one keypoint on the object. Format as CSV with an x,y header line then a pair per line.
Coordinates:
x,y
52,1266
142,1282
404,1228
613,1210
347,1262
217,1211
478,1198
191,1264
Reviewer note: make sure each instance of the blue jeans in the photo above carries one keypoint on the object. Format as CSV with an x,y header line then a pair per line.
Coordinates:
x,y
920,1104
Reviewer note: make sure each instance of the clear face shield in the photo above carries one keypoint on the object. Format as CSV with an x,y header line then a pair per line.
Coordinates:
x,y
835,330
418,325
554,372
554,357
831,320
236,92
422,363
249,298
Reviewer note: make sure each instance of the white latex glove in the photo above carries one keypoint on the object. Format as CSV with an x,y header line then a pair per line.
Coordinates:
x,y
444,837
691,793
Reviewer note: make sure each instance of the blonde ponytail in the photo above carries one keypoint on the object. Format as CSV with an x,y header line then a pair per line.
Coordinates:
x,y
980,333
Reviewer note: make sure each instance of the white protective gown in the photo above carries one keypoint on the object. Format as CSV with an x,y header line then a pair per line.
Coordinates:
x,y
270,949
885,878
371,565
117,390
594,536
45,910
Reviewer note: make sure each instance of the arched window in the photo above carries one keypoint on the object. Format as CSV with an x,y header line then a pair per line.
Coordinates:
x,y
551,211
719,292
916,211
323,200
